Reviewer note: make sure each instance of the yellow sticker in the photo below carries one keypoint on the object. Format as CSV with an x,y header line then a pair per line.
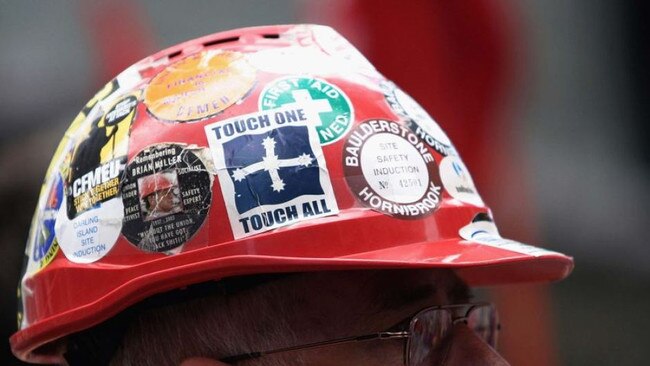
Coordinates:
x,y
59,159
99,155
199,86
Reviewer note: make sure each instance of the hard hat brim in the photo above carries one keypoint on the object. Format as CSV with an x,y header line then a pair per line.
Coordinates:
x,y
477,264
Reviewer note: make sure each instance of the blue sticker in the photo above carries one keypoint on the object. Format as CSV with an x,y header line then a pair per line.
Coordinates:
x,y
271,169
45,245
46,238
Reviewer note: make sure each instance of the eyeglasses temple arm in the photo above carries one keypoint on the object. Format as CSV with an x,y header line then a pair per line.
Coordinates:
x,y
363,338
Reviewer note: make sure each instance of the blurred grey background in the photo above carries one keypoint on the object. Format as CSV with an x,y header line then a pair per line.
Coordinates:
x,y
579,111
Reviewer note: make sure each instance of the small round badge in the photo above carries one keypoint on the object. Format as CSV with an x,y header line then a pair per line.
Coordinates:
x,y
332,106
199,86
457,181
166,195
389,169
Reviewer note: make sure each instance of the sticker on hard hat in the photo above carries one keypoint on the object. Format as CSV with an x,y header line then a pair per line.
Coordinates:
x,y
335,113
417,119
166,195
482,230
322,51
43,245
90,217
458,182
90,235
335,45
294,60
199,86
389,169
271,169
121,110
122,84
98,157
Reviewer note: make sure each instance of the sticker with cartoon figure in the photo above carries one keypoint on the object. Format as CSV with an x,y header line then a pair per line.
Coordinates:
x,y
482,230
90,218
391,170
199,86
458,182
271,169
335,112
417,119
166,195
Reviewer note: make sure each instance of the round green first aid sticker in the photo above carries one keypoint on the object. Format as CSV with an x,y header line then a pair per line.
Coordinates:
x,y
333,106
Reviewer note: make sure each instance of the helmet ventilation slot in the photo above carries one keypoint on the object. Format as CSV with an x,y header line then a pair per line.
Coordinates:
x,y
220,41
174,54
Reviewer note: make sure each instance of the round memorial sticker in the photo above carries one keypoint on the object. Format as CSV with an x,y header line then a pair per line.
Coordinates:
x,y
457,181
388,168
332,105
418,120
166,194
199,86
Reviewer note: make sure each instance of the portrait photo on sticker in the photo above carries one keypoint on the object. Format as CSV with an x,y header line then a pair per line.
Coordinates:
x,y
159,195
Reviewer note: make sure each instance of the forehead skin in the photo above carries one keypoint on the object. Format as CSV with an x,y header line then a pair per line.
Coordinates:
x,y
351,303
297,309
332,305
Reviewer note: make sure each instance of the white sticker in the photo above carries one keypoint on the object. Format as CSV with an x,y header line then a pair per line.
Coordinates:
x,y
457,181
394,168
293,60
389,169
486,233
91,234
336,45
422,118
271,169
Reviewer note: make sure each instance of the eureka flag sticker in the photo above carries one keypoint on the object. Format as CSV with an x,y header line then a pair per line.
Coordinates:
x,y
271,169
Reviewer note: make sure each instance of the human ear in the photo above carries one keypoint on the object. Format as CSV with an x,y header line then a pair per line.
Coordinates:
x,y
201,361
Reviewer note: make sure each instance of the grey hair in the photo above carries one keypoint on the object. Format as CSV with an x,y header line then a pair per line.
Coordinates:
x,y
216,326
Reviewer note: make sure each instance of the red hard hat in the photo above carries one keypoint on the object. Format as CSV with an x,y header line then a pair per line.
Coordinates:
x,y
153,183
290,152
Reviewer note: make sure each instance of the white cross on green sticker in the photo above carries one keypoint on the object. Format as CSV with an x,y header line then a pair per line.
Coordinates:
x,y
332,105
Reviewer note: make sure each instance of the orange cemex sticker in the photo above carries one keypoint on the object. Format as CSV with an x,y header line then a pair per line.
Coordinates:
x,y
199,86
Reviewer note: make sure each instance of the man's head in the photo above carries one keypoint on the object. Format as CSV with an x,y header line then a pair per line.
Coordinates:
x,y
157,192
161,200
325,206
262,313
